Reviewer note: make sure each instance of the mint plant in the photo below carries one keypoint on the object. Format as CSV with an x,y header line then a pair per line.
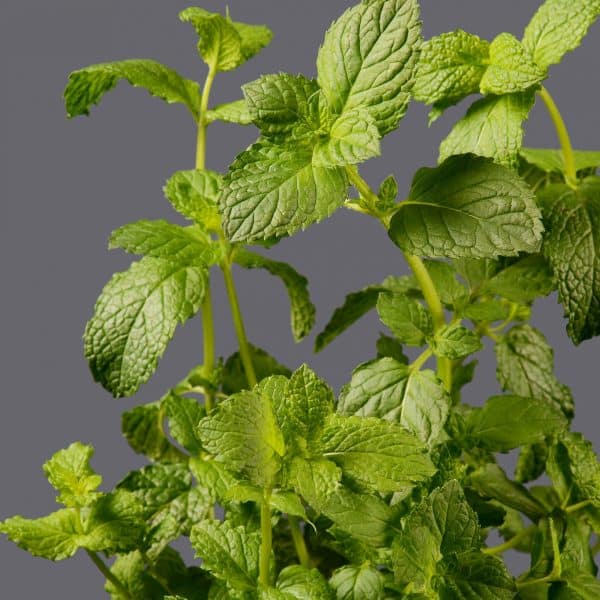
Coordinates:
x,y
392,489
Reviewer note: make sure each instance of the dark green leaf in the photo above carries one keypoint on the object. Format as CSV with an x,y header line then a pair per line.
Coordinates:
x,y
184,414
406,318
455,341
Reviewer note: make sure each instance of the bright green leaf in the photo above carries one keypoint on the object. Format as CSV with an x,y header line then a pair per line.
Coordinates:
x,y
273,190
357,583
315,480
455,341
552,161
406,318
87,86
69,471
300,582
230,112
184,414
510,68
467,207
368,60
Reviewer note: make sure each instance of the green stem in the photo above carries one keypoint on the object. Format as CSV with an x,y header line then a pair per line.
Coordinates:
x,y
437,311
299,543
556,572
421,359
109,575
514,541
202,122
363,188
563,137
575,507
238,321
267,540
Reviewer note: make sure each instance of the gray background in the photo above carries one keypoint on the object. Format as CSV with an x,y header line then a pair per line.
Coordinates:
x,y
66,185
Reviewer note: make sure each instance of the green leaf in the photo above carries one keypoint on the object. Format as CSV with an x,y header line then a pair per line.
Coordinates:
x,y
441,526
300,582
87,86
451,66
243,434
212,476
492,127
390,347
160,239
229,553
491,482
558,27
69,471
379,454
455,341
388,389
486,310
130,570
194,194
54,537
507,422
303,310
114,524
315,480
478,576
184,414
510,68
526,367
230,112
522,281
142,427
224,44
354,582
353,139
572,217
356,304
553,161
368,59
279,104
585,585
406,318
234,375
451,292
136,316
305,404
274,190
467,207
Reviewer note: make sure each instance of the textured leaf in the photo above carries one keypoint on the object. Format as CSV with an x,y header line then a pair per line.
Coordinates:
x,y
160,239
300,582
552,161
243,434
368,60
510,69
55,537
572,217
303,310
194,194
455,341
492,127
585,585
451,66
357,583
467,207
390,390
526,367
353,138
69,471
406,318
273,190
451,292
507,422
379,454
558,27
184,414
315,480
522,281
442,525
229,553
142,427
212,476
135,318
230,112
280,103
307,401
478,576
130,570
87,86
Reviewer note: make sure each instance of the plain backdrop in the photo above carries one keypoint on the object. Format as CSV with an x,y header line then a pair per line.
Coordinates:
x,y
67,184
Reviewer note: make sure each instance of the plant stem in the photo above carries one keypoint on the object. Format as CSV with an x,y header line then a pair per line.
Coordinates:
x,y
208,326
363,188
109,575
556,572
238,321
267,539
563,137
437,311
509,543
575,507
299,543
421,359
